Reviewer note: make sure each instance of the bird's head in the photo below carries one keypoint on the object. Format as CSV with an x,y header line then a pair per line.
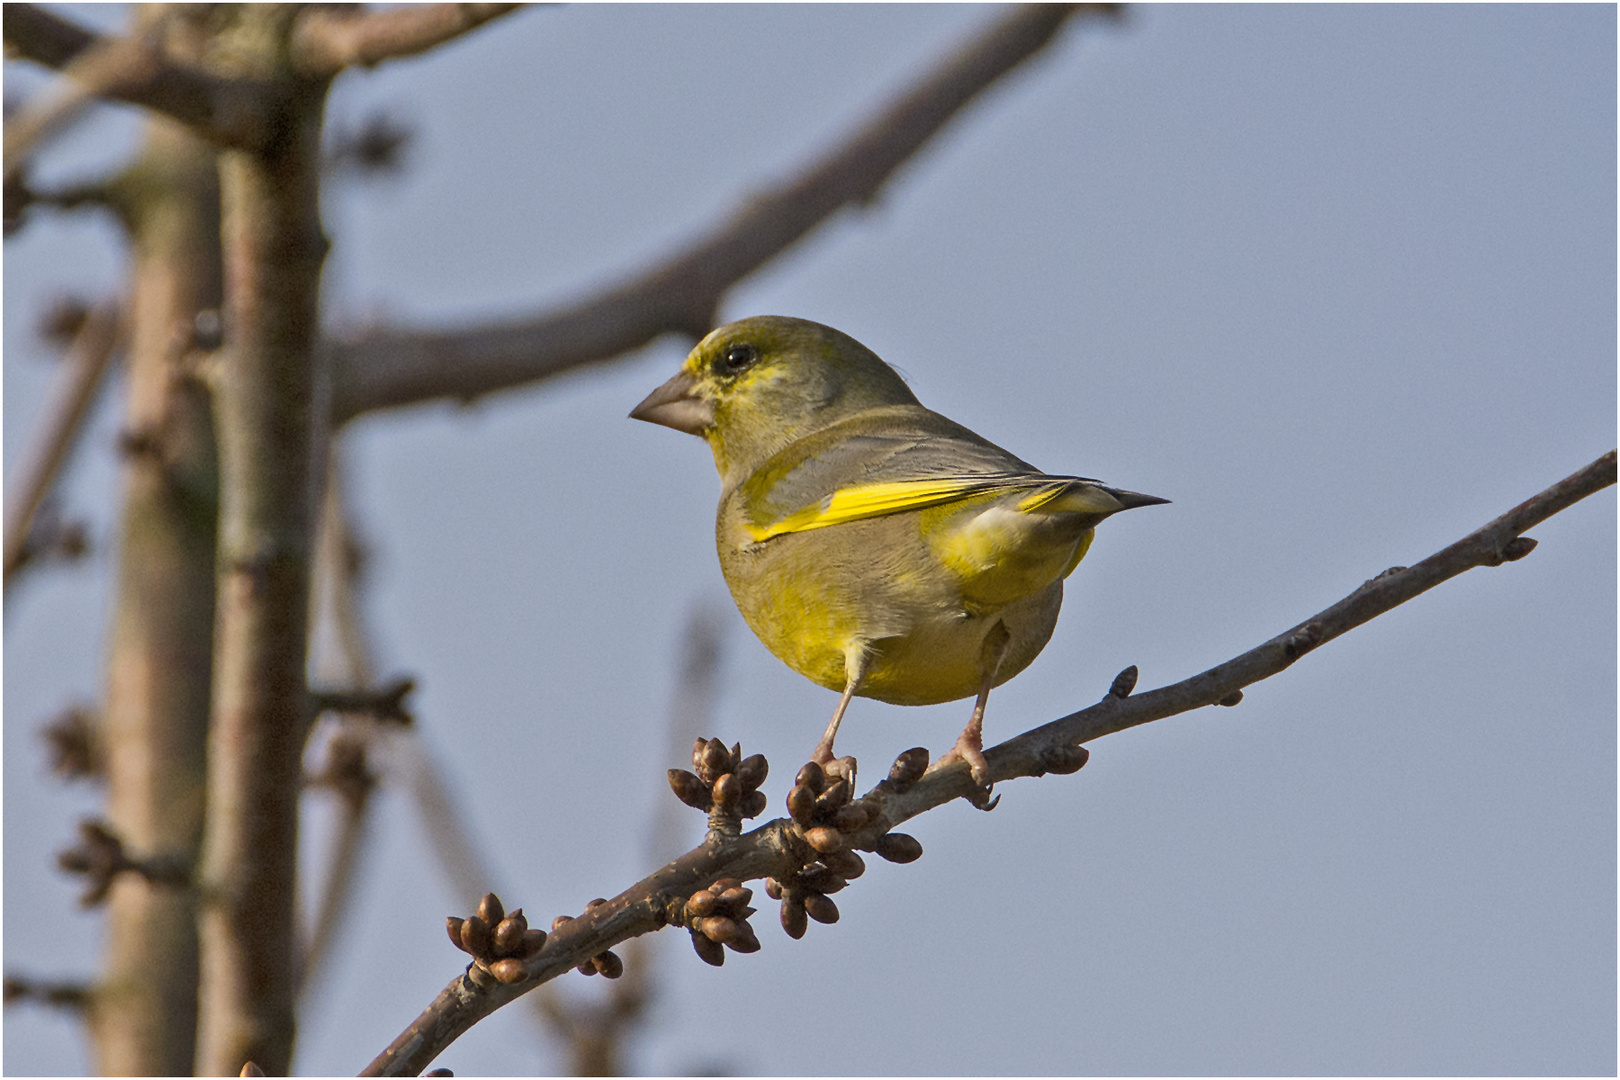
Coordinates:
x,y
753,386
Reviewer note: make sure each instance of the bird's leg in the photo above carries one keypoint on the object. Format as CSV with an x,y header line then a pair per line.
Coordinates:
x,y
824,749
970,744
855,665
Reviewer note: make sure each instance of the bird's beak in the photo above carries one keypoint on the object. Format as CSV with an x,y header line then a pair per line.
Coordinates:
x,y
676,405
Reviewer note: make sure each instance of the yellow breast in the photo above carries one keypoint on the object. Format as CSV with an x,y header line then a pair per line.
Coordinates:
x,y
878,584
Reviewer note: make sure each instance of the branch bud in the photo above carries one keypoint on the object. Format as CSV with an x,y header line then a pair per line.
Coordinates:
x,y
794,920
701,904
510,970
824,838
812,777
736,898
836,795
717,928
689,789
854,815
715,761
898,847
1124,683
752,772
801,803
509,935
908,768
820,908
708,950
820,879
753,804
475,937
845,863
727,791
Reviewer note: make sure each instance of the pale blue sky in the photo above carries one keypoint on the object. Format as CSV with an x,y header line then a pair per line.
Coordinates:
x,y
1339,281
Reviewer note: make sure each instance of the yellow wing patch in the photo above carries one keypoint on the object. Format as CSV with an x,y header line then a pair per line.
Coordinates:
x,y
876,500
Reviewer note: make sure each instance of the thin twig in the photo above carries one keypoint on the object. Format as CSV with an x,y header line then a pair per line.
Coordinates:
x,y
326,41
779,849
388,368
82,371
335,595
73,996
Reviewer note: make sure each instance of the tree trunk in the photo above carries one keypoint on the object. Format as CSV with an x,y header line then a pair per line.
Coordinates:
x,y
155,717
270,403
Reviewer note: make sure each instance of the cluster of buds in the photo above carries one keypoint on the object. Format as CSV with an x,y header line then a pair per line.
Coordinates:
x,y
100,857
822,805
718,916
605,963
726,784
498,943
74,743
824,809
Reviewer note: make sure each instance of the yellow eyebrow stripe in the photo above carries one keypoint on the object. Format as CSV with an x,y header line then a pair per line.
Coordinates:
x,y
875,500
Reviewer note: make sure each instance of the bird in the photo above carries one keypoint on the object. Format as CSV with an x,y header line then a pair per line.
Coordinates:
x,y
873,545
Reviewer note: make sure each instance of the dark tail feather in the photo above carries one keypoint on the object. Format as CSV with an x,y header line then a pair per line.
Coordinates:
x,y
1133,499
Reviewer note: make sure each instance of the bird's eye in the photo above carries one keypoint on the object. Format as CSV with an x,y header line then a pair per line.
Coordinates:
x,y
738,358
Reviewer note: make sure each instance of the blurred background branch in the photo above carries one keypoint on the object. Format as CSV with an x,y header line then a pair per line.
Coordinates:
x,y
387,368
138,70
328,40
82,371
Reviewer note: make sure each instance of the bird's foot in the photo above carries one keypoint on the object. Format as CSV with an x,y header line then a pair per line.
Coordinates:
x,y
834,767
971,751
841,767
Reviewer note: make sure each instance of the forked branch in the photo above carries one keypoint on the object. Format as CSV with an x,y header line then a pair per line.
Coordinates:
x,y
234,112
781,849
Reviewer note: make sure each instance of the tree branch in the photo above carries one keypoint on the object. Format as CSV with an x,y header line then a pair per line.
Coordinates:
x,y
46,115
327,41
782,848
270,410
159,663
230,111
44,38
350,747
393,367
82,372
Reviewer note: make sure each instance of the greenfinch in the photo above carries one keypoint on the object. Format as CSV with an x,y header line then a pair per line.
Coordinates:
x,y
873,545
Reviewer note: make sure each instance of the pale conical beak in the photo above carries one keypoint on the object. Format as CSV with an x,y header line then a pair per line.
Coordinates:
x,y
675,405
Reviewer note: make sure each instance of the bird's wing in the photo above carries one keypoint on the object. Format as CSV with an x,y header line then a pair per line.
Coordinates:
x,y
893,460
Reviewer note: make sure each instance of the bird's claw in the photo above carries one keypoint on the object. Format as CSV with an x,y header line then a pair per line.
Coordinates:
x,y
841,767
978,768
835,767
